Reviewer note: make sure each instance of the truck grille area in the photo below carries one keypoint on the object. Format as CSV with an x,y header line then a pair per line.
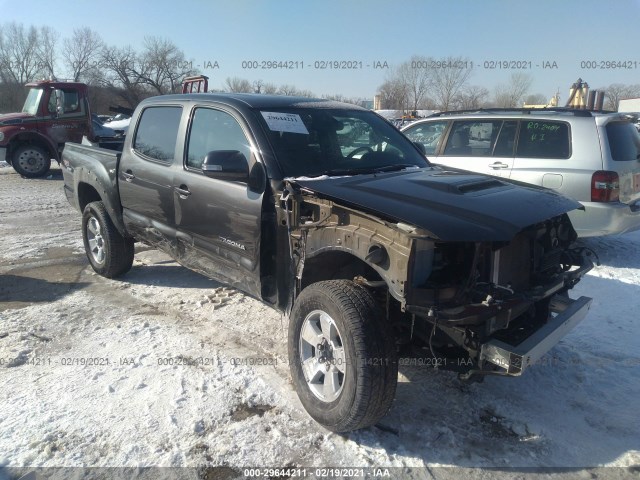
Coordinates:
x,y
495,283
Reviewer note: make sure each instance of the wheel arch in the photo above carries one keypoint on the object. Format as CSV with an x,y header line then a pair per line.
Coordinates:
x,y
87,194
336,264
31,138
89,189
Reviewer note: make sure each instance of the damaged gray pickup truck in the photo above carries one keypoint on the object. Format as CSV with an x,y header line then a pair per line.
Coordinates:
x,y
330,215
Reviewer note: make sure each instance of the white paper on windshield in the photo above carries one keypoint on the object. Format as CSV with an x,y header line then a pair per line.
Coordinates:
x,y
285,122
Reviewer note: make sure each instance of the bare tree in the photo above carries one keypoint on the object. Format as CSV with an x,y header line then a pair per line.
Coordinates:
x,y
19,62
449,80
470,98
536,99
269,89
619,91
394,93
305,93
417,78
257,86
46,51
162,66
407,85
82,53
511,95
287,90
119,74
238,85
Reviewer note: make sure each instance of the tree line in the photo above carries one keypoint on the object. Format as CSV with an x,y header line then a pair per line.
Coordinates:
x,y
125,75
445,84
118,75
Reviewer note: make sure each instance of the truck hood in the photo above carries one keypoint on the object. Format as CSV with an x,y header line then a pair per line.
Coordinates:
x,y
15,118
453,206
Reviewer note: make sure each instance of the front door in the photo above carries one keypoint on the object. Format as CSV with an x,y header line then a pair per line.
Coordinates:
x,y
218,221
70,124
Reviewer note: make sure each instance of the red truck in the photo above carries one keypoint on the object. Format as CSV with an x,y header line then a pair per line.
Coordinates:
x,y
53,113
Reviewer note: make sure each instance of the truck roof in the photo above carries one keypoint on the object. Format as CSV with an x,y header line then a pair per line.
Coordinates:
x,y
56,83
253,100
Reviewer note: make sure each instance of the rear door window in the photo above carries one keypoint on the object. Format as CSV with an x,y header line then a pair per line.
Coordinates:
x,y
624,141
157,133
544,139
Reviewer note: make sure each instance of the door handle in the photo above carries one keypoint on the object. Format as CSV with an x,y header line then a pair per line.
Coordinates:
x,y
183,191
128,175
498,165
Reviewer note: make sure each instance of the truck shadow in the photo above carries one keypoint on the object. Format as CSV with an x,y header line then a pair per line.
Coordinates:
x,y
576,407
168,274
18,291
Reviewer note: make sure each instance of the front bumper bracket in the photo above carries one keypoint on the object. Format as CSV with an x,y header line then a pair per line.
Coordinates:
x,y
566,314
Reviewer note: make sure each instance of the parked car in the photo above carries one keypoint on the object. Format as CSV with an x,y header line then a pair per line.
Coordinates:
x,y
329,214
589,156
104,137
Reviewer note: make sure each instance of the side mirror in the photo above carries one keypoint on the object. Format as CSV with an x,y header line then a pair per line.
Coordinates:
x,y
59,101
230,165
56,102
421,147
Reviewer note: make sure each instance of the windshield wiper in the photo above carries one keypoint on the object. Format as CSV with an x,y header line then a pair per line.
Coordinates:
x,y
335,172
393,168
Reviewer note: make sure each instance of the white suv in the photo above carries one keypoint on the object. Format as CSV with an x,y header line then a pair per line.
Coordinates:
x,y
592,157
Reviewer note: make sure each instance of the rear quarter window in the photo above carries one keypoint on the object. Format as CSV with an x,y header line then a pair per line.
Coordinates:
x,y
624,141
544,139
157,133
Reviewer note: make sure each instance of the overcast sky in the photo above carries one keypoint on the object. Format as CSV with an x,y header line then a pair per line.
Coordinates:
x,y
535,33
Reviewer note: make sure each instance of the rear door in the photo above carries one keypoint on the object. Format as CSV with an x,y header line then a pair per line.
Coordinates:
x,y
218,221
145,177
544,156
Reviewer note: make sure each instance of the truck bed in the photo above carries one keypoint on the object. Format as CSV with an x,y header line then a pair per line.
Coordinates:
x,y
92,173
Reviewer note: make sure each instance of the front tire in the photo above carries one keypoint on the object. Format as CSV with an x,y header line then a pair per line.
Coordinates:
x,y
342,355
109,253
31,161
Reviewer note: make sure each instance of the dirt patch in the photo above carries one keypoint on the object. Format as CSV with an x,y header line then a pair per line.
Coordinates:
x,y
244,411
495,424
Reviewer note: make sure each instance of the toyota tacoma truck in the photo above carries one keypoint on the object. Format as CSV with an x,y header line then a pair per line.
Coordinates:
x,y
330,215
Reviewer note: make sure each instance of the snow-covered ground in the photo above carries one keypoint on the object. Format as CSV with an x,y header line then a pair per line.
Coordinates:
x,y
167,368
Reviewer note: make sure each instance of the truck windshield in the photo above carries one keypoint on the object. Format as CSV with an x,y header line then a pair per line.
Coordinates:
x,y
325,141
32,101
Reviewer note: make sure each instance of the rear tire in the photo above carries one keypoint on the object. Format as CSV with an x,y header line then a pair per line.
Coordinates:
x,y
31,161
109,253
342,355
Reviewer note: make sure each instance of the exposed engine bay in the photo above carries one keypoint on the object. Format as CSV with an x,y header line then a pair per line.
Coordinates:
x,y
448,301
